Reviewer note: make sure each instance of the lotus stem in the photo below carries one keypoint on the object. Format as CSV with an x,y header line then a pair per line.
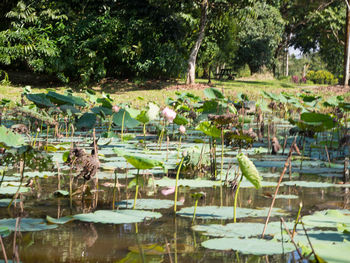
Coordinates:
x,y
22,166
122,131
36,137
222,154
114,189
110,123
286,164
179,147
137,188
236,197
297,219
194,212
177,179
3,250
144,133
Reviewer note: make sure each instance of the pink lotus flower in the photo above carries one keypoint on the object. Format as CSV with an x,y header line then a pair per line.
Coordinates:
x,y
168,191
182,129
169,114
115,109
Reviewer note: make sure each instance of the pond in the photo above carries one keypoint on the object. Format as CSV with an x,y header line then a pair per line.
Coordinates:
x,y
56,219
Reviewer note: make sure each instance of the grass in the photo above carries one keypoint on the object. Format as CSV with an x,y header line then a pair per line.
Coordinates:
x,y
158,91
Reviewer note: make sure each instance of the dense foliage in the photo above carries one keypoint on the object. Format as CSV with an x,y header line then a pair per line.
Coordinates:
x,y
85,41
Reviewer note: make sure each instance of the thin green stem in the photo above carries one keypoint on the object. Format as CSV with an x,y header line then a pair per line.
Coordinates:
x,y
137,188
177,179
236,197
114,189
194,212
123,126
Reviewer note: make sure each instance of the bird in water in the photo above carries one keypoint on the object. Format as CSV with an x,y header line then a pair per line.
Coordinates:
x,y
85,164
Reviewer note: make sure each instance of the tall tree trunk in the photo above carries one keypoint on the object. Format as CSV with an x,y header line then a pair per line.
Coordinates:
x,y
193,56
347,47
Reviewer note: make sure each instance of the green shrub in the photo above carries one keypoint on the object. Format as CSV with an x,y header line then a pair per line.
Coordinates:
x,y
321,77
244,71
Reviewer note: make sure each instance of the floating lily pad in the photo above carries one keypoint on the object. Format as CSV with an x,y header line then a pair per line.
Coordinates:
x,y
226,212
333,252
287,197
148,204
307,184
26,224
242,230
117,217
249,246
59,221
61,193
6,201
10,190
193,183
328,218
43,174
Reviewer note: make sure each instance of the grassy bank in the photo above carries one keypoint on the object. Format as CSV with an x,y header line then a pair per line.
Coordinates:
x,y
132,92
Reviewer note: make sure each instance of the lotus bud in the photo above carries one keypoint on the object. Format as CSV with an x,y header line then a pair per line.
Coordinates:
x,y
115,109
169,114
182,129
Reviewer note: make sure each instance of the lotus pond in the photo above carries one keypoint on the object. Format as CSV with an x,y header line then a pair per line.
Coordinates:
x,y
213,180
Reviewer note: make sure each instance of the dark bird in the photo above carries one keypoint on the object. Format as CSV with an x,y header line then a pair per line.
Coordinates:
x,y
275,145
85,164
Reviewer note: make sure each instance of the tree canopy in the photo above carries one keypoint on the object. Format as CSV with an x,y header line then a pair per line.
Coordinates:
x,y
161,39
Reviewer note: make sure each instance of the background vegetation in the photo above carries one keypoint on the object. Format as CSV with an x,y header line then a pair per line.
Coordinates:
x,y
87,41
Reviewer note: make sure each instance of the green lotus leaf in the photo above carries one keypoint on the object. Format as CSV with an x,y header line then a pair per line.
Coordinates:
x,y
87,121
193,183
59,221
139,162
213,93
148,204
26,224
40,100
253,246
328,218
129,122
249,170
226,212
11,190
10,139
180,120
117,216
208,129
60,99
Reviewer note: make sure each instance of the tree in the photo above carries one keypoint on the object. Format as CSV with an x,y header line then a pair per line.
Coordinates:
x,y
259,36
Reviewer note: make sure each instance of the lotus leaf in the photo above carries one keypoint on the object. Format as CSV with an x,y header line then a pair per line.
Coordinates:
x,y
60,99
226,212
193,183
249,246
9,139
11,190
117,217
26,224
148,204
307,184
249,170
213,93
139,162
40,100
59,221
129,122
208,129
328,218
87,121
